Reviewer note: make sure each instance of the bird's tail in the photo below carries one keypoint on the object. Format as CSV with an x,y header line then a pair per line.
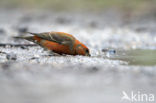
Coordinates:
x,y
30,38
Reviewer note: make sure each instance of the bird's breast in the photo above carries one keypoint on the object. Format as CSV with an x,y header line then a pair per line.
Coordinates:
x,y
55,47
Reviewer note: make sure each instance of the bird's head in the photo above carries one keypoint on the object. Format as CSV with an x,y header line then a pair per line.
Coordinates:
x,y
81,49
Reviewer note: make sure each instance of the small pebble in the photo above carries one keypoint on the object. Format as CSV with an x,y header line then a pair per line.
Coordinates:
x,y
24,47
104,50
11,56
36,55
33,58
112,51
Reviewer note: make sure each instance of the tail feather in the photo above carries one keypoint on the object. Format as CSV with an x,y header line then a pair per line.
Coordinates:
x,y
19,37
30,38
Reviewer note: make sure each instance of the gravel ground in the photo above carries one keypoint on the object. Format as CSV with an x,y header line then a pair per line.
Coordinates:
x,y
30,74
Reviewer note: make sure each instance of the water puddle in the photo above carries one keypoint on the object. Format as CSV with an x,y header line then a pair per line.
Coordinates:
x,y
135,57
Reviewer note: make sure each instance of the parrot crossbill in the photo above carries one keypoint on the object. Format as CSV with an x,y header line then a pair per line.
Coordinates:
x,y
58,42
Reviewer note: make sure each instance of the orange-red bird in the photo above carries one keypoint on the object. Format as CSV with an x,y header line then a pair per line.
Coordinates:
x,y
59,42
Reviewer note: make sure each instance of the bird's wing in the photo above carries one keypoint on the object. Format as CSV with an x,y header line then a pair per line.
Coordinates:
x,y
58,37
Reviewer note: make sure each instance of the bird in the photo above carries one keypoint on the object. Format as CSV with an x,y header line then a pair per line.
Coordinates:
x,y
58,42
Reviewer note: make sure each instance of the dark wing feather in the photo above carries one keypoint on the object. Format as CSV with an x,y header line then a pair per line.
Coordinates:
x,y
58,37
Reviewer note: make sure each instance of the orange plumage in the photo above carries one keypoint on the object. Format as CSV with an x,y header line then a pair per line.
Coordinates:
x,y
59,42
